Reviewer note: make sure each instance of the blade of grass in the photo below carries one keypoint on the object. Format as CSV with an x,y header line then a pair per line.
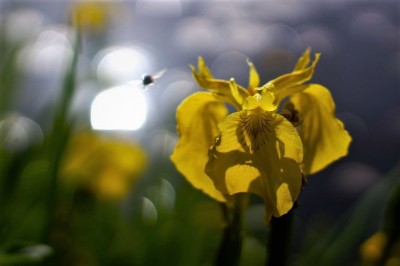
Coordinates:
x,y
339,244
59,136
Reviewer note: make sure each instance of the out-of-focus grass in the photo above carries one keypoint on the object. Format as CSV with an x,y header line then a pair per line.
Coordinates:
x,y
340,245
44,221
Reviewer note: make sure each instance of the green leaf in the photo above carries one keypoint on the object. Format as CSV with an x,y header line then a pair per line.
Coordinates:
x,y
338,245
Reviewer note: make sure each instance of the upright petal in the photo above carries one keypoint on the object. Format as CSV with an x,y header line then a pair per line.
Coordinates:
x,y
203,69
303,61
197,119
324,138
259,103
296,77
254,79
219,87
235,91
258,153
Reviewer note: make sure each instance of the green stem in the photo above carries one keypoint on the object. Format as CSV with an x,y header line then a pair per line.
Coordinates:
x,y
280,240
232,238
60,134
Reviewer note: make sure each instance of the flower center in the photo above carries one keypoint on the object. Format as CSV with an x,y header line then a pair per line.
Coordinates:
x,y
254,130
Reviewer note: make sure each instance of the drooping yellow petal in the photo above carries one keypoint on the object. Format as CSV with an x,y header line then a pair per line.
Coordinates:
x,y
254,79
258,153
219,87
235,91
303,61
296,77
282,94
197,119
324,138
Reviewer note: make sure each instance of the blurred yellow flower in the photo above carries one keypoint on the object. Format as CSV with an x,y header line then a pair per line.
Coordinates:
x,y
92,16
373,249
105,167
255,149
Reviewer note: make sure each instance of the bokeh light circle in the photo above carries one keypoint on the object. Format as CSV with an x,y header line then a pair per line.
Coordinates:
x,y
119,108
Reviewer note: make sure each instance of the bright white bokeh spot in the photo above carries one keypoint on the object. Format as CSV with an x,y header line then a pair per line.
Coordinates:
x,y
320,39
149,211
223,12
198,35
19,133
23,24
162,196
119,108
231,64
175,93
279,36
287,11
162,142
36,252
49,55
240,35
118,65
158,8
374,28
354,177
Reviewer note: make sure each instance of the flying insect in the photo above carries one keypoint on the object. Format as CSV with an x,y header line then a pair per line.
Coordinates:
x,y
148,80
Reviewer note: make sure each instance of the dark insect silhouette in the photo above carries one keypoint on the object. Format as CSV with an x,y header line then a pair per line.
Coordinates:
x,y
147,80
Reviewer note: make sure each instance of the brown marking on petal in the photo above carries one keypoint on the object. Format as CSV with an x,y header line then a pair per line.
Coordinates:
x,y
254,130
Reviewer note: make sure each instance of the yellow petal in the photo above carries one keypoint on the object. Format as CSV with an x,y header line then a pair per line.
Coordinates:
x,y
324,138
296,77
220,87
203,69
267,101
235,91
254,79
259,103
197,119
303,61
282,94
250,103
260,154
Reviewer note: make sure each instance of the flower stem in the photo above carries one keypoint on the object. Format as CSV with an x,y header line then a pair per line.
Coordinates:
x,y
232,238
280,240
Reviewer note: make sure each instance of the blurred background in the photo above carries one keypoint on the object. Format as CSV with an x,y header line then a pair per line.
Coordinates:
x,y
85,172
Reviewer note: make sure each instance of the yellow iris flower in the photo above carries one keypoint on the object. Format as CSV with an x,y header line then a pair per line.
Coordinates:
x,y
255,149
106,168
